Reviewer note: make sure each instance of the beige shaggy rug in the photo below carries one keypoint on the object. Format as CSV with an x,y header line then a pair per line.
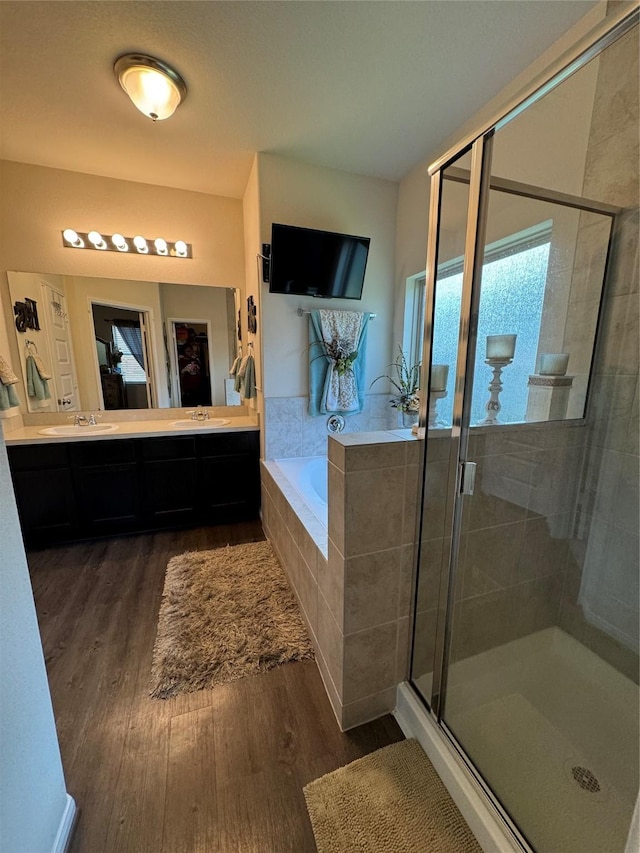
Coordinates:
x,y
225,614
390,801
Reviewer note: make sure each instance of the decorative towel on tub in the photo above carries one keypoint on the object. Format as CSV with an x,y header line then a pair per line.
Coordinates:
x,y
337,344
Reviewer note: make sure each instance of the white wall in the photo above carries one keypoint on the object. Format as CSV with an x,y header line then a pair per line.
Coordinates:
x,y
528,150
295,193
33,798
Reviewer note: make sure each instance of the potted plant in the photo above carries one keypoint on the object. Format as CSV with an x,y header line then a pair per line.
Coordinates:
x,y
405,379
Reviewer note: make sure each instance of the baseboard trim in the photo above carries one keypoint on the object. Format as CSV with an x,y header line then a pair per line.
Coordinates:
x,y
414,721
66,828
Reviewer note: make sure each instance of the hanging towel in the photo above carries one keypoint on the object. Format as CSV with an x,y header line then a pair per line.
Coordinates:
x,y
249,379
43,371
36,386
240,371
235,366
7,376
8,397
337,386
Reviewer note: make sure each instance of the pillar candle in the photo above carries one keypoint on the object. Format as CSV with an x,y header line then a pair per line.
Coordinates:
x,y
501,346
439,376
553,363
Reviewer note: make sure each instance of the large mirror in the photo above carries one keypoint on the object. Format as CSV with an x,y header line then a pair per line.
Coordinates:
x,y
104,344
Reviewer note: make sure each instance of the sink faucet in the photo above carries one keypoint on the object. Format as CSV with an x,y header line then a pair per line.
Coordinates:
x,y
84,420
199,414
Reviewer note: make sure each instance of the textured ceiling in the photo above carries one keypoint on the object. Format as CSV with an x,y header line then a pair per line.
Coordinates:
x,y
367,87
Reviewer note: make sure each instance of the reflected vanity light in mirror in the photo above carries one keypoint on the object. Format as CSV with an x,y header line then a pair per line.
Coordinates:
x,y
72,239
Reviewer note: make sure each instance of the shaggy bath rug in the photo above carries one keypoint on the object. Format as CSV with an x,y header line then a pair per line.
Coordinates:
x,y
225,614
392,800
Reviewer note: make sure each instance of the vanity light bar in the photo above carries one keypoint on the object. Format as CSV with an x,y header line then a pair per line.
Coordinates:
x,y
117,243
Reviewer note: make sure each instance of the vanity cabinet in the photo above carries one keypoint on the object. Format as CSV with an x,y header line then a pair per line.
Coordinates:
x,y
44,492
83,490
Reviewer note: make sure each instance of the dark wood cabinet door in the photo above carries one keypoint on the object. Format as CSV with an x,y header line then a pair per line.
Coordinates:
x,y
169,491
228,487
108,498
46,505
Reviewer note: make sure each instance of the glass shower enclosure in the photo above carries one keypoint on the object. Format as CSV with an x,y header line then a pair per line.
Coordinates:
x,y
525,623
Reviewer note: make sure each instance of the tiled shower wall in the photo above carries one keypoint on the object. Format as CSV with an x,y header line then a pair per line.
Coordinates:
x,y
604,552
291,431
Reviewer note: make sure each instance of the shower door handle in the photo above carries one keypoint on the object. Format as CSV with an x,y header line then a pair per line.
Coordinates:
x,y
467,477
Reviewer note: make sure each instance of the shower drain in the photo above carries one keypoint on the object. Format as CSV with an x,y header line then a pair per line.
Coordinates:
x,y
585,778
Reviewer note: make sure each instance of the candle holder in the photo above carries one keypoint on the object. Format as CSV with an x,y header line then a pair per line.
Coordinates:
x,y
493,403
434,396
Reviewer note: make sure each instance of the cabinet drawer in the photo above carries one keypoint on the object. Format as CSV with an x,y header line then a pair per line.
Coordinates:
x,y
227,442
178,447
89,453
28,457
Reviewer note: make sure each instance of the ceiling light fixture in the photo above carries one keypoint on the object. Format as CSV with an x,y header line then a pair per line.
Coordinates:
x,y
155,88
118,243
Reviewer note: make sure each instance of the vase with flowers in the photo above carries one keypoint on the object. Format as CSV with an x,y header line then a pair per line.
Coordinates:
x,y
405,378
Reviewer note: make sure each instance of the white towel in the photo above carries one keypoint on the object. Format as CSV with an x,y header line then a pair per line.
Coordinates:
x,y
341,333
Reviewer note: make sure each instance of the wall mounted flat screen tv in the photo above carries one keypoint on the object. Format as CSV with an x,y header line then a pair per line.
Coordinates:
x,y
306,262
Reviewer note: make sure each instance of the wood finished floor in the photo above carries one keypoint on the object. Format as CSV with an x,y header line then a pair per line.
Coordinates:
x,y
220,770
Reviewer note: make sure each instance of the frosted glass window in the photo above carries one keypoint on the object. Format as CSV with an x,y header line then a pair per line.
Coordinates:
x,y
511,301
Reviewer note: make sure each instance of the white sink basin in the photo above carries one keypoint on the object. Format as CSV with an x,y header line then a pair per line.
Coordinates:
x,y
88,429
187,423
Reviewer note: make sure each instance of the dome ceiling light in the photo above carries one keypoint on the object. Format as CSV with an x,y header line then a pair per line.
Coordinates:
x,y
155,88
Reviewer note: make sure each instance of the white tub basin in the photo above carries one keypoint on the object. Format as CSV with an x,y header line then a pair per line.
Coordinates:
x,y
81,429
187,423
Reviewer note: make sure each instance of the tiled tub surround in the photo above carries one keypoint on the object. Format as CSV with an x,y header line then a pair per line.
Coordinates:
x,y
353,580
291,431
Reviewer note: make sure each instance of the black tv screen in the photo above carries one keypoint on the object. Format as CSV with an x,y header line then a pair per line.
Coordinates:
x,y
306,262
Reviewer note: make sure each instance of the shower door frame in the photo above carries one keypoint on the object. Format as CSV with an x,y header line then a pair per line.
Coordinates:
x,y
480,183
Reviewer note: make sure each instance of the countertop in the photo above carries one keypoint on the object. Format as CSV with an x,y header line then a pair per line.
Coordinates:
x,y
128,429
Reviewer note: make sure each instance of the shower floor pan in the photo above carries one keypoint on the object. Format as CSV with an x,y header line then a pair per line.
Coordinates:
x,y
554,730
